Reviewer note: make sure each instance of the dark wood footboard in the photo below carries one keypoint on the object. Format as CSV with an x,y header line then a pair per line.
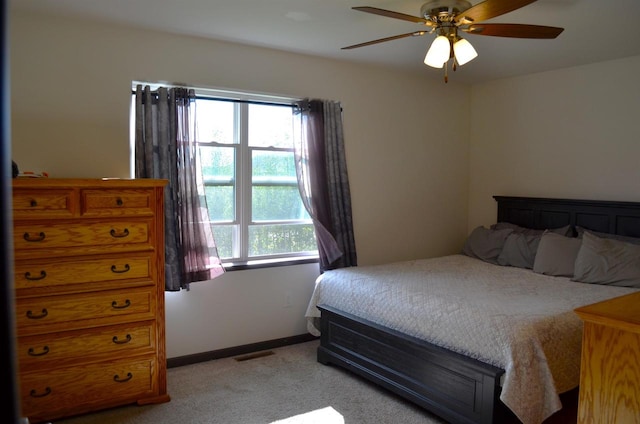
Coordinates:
x,y
455,387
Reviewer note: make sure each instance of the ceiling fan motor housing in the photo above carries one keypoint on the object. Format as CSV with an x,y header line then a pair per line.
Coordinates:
x,y
442,11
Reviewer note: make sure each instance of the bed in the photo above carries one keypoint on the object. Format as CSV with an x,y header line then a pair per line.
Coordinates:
x,y
480,341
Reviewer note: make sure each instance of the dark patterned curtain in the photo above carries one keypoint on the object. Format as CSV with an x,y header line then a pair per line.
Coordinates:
x,y
321,168
165,147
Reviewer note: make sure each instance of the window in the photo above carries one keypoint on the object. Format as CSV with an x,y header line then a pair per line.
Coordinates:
x,y
246,150
250,181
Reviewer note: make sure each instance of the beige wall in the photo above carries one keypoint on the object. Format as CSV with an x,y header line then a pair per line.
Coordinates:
x,y
571,133
407,156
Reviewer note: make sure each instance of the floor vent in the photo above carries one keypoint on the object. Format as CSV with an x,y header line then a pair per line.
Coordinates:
x,y
254,355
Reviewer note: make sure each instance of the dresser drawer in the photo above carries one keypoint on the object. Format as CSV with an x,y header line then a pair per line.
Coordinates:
x,y
89,236
60,391
72,347
43,203
75,311
116,202
65,275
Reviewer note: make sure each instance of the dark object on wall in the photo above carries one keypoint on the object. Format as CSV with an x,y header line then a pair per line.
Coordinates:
x,y
14,169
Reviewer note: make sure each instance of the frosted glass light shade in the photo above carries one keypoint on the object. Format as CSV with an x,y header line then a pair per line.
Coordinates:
x,y
438,53
464,51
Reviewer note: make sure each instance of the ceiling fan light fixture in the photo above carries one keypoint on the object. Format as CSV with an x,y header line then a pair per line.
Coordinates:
x,y
438,53
464,51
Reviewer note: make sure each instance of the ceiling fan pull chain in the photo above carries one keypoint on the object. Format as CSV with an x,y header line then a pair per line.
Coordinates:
x,y
446,71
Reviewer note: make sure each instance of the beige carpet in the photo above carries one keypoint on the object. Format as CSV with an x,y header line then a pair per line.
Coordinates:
x,y
288,387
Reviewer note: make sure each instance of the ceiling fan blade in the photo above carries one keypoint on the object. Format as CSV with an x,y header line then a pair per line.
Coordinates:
x,y
514,30
382,40
396,15
489,9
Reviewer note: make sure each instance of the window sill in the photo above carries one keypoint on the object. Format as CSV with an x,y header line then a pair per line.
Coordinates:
x,y
269,263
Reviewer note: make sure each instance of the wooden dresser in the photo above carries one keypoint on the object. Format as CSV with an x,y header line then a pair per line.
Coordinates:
x,y
610,370
89,283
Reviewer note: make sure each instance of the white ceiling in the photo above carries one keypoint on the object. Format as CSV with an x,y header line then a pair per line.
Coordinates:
x,y
595,30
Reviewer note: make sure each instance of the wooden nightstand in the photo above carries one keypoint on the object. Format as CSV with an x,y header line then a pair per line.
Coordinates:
x,y
610,370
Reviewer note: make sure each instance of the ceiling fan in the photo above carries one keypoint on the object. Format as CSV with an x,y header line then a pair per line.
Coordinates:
x,y
447,17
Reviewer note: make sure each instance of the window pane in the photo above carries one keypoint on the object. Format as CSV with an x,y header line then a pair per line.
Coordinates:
x,y
265,163
220,203
224,240
275,194
215,121
277,203
218,170
278,239
270,126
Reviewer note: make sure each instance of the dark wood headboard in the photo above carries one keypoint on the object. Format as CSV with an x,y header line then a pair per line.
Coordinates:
x,y
622,218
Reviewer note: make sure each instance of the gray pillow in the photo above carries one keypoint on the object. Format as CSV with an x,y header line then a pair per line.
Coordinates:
x,y
564,231
519,250
485,244
607,261
626,239
556,255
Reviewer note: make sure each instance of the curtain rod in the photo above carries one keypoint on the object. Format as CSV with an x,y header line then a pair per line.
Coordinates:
x,y
226,99
251,102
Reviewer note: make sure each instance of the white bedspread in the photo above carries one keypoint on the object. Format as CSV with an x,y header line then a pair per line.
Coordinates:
x,y
512,318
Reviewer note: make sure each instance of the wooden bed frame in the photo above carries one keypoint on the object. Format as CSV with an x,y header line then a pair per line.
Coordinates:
x,y
455,387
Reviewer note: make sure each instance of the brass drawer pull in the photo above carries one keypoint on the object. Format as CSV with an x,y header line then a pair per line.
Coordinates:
x,y
119,202
27,275
126,340
34,393
117,378
28,237
115,305
43,314
32,352
120,271
119,235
